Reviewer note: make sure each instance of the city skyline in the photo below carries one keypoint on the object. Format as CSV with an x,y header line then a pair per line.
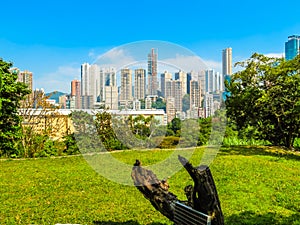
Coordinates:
x,y
52,42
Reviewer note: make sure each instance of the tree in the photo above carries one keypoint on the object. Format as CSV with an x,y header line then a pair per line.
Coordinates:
x,y
106,133
159,104
266,96
85,132
11,95
175,127
205,125
186,103
43,127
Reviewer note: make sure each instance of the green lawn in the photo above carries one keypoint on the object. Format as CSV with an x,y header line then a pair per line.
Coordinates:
x,y
258,185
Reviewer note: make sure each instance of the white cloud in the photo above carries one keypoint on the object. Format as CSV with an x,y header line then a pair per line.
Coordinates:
x,y
59,80
116,57
194,63
91,53
275,55
186,62
211,64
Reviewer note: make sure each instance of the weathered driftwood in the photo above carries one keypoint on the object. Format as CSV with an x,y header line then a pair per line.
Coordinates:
x,y
153,189
202,196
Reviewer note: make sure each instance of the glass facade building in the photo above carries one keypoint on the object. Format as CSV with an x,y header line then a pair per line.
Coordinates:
x,y
292,47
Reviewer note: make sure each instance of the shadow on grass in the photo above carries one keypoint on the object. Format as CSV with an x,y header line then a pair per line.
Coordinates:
x,y
256,150
251,218
130,222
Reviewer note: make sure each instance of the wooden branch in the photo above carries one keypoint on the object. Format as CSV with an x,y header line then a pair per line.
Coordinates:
x,y
202,196
153,189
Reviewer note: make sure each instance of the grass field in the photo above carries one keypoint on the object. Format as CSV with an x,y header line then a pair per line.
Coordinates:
x,y
257,185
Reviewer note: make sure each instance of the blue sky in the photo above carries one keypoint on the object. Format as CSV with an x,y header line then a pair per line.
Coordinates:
x,y
53,38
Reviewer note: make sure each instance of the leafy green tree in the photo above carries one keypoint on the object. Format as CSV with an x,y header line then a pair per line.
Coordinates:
x,y
142,103
186,103
266,96
85,134
11,94
175,127
141,126
42,124
159,104
106,132
205,125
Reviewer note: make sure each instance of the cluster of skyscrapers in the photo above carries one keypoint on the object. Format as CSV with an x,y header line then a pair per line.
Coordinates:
x,y
138,88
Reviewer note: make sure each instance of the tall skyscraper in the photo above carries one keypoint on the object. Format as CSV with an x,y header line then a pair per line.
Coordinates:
x,y
208,105
111,97
195,94
201,78
152,72
76,93
170,109
166,76
85,79
189,77
110,78
227,61
107,78
174,89
218,82
95,83
139,83
182,76
292,47
210,81
92,85
126,85
86,94
25,77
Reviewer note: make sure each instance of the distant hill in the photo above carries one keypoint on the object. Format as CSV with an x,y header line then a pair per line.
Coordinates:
x,y
55,95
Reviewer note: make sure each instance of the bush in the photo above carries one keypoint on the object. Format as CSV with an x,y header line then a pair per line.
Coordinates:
x,y
169,142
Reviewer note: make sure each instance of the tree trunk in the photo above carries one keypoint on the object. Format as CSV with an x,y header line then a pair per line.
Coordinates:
x,y
153,189
202,196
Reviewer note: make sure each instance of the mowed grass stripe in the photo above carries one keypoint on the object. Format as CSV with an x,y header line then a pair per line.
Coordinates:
x,y
255,185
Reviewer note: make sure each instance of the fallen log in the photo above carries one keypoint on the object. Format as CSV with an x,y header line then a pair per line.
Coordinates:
x,y
201,197
153,189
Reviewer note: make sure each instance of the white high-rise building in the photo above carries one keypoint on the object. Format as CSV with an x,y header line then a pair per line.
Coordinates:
x,y
182,76
86,93
111,97
139,84
174,89
227,61
152,72
166,76
126,85
90,85
170,109
95,85
107,78
213,81
210,82
208,105
201,78
195,94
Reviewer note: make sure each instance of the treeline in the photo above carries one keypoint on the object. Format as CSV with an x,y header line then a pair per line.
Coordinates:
x,y
107,132
262,107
